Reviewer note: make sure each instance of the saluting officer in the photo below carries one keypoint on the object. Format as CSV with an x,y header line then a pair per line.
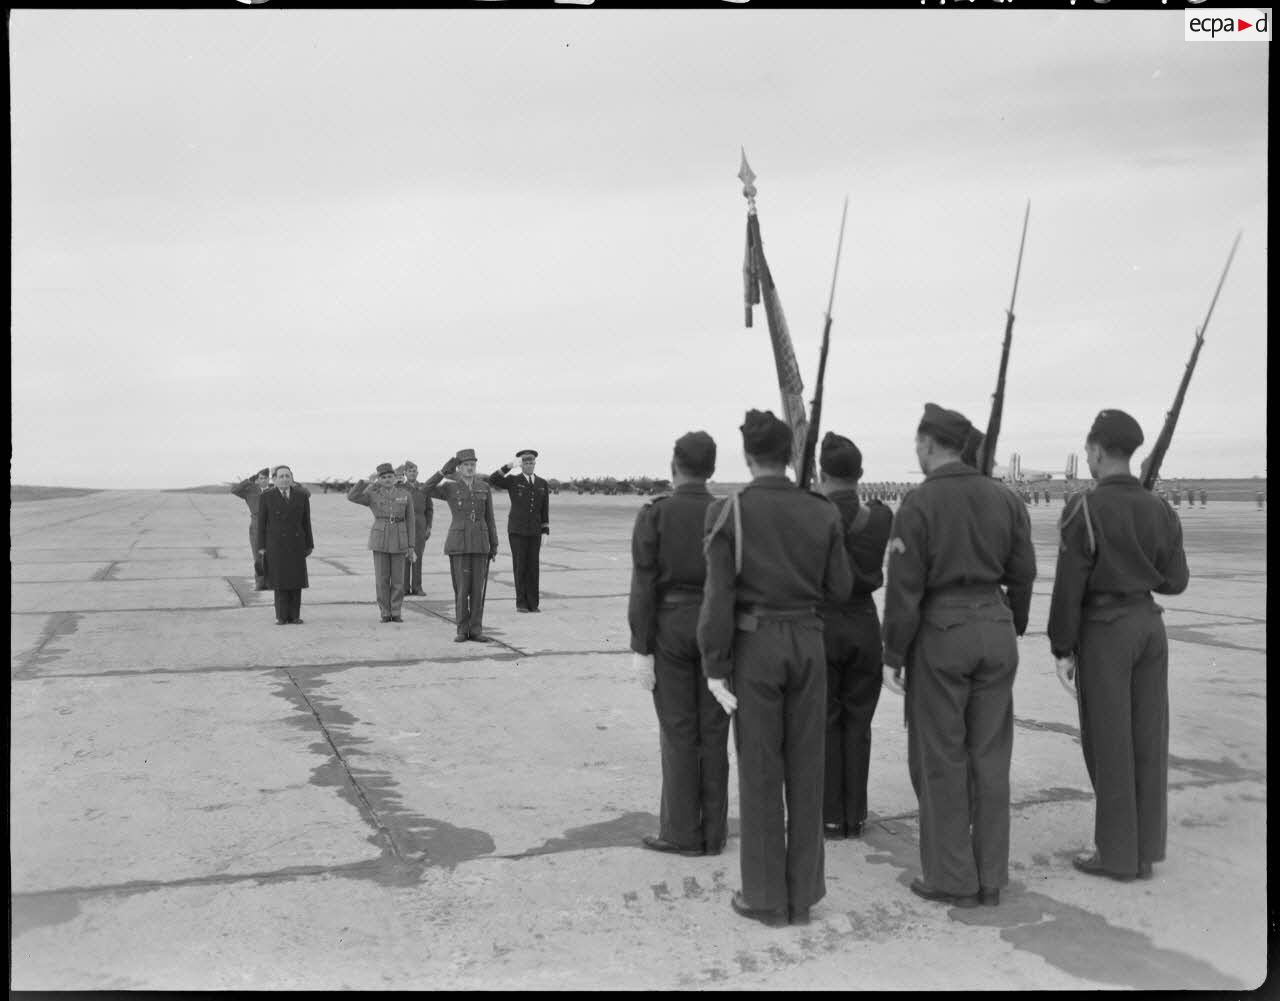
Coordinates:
x,y
423,513
392,537
472,542
1118,543
851,634
956,538
528,521
250,491
774,553
668,570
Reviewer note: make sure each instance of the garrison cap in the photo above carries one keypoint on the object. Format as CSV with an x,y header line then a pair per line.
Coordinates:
x,y
764,434
530,452
972,447
948,428
264,471
1116,429
466,455
696,452
384,467
840,457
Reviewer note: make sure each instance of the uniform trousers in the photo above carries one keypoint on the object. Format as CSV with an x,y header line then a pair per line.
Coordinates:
x,y
1124,731
388,576
693,734
854,681
780,680
289,604
470,577
960,740
525,550
259,581
413,572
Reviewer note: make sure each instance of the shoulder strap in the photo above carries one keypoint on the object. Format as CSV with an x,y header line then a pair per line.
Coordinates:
x,y
733,506
1083,509
859,522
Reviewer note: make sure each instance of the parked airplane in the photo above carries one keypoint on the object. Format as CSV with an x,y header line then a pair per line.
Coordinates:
x,y
1016,472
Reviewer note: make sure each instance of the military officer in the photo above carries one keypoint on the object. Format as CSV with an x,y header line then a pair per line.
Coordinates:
x,y
472,541
392,537
774,553
668,570
851,635
1118,543
423,514
250,491
528,521
956,539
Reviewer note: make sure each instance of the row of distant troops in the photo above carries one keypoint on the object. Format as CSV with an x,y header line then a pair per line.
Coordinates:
x,y
281,537
759,608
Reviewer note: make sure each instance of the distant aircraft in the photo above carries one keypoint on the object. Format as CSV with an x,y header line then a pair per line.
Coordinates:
x,y
1016,472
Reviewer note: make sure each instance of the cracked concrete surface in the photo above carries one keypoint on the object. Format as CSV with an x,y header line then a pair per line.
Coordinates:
x,y
202,800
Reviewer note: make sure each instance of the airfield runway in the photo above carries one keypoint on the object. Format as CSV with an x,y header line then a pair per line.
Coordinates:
x,y
201,799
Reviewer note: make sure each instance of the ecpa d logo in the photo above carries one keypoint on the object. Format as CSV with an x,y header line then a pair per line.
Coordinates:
x,y
1234,24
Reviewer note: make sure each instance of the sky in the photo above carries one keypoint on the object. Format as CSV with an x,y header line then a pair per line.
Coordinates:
x,y
337,238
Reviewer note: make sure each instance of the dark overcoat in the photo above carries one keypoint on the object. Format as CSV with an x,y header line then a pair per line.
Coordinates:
x,y
284,531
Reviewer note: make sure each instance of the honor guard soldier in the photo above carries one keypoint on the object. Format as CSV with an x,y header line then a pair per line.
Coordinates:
x,y
668,571
956,538
1118,543
423,513
472,542
774,553
851,634
528,521
392,537
250,491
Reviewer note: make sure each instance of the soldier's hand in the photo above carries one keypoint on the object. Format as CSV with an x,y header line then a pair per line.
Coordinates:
x,y
451,466
410,555
642,668
720,692
1067,674
893,680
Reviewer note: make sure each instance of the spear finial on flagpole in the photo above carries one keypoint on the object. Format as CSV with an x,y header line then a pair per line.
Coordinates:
x,y
748,177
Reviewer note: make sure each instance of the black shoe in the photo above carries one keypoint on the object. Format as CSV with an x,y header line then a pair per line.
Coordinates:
x,y
921,889
662,845
833,832
480,638
521,608
854,830
1091,865
282,622
774,919
386,618
396,618
535,609
295,622
714,850
417,594
989,897
459,639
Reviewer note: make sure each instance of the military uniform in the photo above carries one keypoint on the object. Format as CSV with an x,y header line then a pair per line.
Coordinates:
x,y
668,571
956,538
423,514
1118,543
528,521
284,531
851,636
759,628
249,492
392,535
469,544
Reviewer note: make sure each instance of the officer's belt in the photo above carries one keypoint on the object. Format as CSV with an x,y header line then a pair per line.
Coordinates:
x,y
856,603
379,517
1104,599
964,592
747,617
680,596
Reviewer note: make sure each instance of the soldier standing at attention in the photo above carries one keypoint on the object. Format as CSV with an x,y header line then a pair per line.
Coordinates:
x,y
284,543
668,571
423,511
392,537
956,538
774,553
472,542
1118,543
851,635
250,491
528,521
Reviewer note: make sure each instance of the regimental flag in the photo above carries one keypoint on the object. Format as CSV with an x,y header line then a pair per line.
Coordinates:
x,y
759,287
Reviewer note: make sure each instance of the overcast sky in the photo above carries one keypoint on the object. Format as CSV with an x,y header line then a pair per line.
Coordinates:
x,y
334,239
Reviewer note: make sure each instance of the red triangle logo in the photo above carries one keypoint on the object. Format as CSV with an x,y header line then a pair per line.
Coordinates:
x,y
1242,25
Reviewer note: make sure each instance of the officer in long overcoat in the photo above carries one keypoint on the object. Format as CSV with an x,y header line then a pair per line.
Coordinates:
x,y
527,522
285,540
390,538
472,541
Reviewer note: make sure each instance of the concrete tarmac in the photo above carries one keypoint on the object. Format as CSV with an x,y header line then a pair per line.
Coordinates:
x,y
201,799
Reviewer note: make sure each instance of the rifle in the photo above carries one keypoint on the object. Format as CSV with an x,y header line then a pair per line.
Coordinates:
x,y
987,459
815,407
1151,464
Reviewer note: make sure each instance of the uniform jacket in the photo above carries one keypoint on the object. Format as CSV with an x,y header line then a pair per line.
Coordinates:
x,y
793,557
666,555
472,529
393,521
284,531
1137,549
249,492
530,504
865,547
423,510
956,529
